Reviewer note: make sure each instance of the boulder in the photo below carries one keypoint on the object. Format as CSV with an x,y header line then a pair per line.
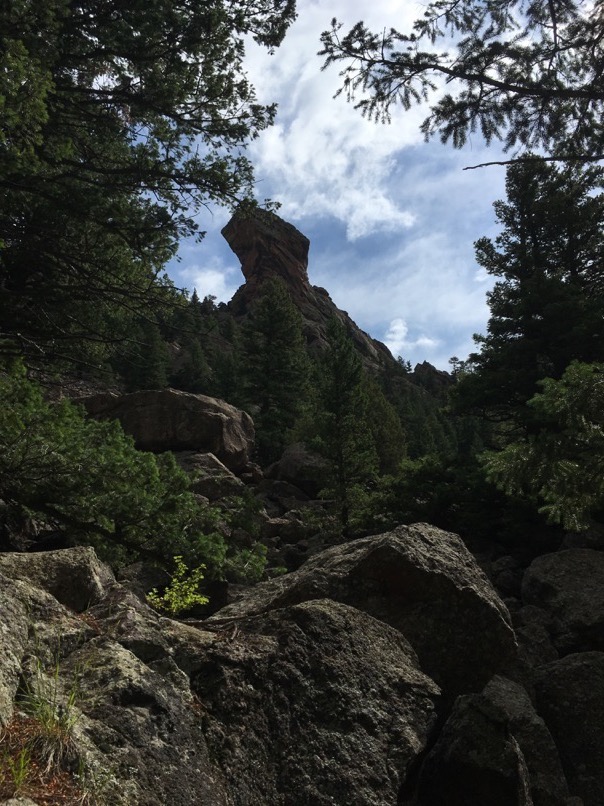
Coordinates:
x,y
476,761
570,698
317,704
535,647
421,581
75,577
212,478
302,468
139,721
169,420
14,634
547,783
280,497
569,586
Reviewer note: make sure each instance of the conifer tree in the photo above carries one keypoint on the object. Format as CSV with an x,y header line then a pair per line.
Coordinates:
x,y
276,368
343,422
528,74
118,122
546,306
143,364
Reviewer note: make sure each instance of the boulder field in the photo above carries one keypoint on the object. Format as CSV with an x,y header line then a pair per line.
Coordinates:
x,y
385,671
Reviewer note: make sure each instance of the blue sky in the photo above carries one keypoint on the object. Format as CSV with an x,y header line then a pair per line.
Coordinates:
x,y
391,219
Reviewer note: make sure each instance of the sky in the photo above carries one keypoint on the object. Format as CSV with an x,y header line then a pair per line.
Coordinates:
x,y
391,220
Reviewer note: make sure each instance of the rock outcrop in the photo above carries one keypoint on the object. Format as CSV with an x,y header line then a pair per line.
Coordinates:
x,y
211,478
419,580
170,420
569,587
570,698
269,247
476,760
382,673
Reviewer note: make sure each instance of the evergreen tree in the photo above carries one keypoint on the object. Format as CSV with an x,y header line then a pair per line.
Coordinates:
x,y
546,307
385,426
563,464
529,74
227,363
190,325
143,364
343,423
118,121
276,368
86,480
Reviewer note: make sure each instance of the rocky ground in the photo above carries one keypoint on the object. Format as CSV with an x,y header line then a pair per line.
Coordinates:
x,y
386,670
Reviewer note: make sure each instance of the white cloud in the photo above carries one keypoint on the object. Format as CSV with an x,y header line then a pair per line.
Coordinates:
x,y
397,341
322,158
215,280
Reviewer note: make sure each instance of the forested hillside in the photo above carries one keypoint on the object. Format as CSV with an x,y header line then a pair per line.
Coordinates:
x,y
101,174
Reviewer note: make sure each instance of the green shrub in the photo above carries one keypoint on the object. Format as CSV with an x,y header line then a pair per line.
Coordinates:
x,y
182,592
85,479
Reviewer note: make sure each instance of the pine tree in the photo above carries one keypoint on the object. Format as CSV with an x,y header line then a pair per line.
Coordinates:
x,y
143,364
276,368
546,307
118,123
563,464
343,423
190,326
528,74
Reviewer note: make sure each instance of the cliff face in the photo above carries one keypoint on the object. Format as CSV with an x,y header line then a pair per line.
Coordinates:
x,y
269,247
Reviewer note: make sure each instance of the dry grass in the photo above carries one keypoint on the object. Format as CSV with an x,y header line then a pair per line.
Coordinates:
x,y
24,768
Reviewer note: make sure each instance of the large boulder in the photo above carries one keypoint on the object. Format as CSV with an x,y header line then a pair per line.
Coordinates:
x,y
476,760
421,581
548,785
14,634
570,698
301,467
569,586
211,478
315,704
75,577
169,420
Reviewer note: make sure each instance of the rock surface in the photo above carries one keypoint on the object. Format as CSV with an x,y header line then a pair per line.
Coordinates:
x,y
269,247
212,478
301,467
569,586
570,698
314,705
419,580
309,705
169,420
76,578
476,760
548,785
378,674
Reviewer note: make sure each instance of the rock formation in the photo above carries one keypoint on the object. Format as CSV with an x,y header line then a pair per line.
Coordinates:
x,y
170,420
269,247
383,672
